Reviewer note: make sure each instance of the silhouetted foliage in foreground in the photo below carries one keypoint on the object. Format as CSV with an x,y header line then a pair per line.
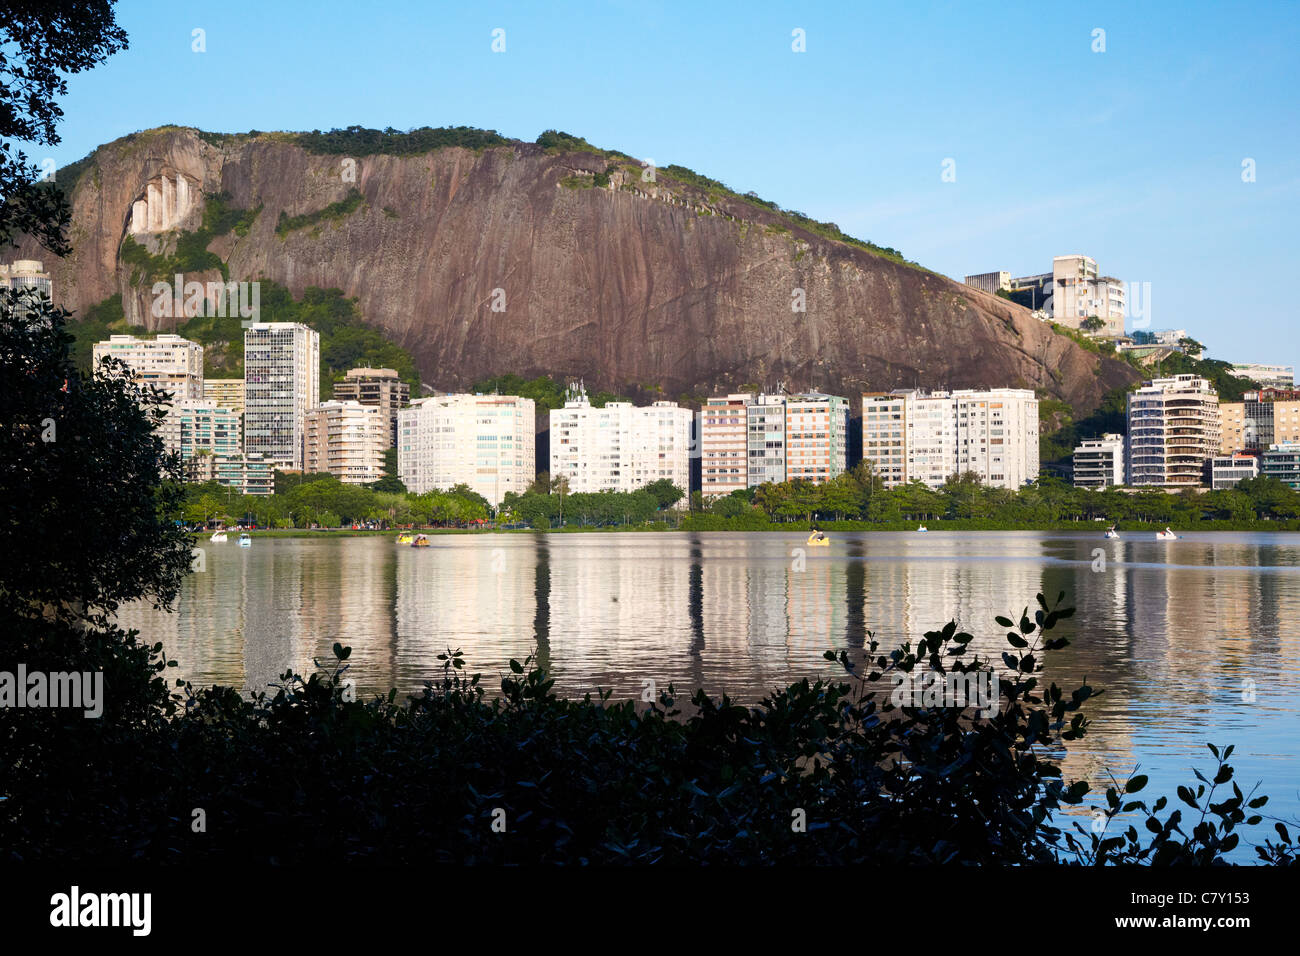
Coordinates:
x,y
821,772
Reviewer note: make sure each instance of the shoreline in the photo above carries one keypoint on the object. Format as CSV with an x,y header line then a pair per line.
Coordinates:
x,y
1290,527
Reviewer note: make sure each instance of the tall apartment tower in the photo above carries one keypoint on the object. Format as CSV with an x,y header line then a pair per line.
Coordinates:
x,y
816,437
913,435
488,442
346,439
281,384
380,387
910,435
724,448
765,438
169,362
1173,430
619,447
997,435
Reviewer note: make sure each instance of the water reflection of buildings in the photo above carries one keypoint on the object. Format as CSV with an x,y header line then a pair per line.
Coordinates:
x,y
473,594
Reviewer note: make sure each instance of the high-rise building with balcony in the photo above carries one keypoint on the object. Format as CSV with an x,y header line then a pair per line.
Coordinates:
x,y
724,447
1099,462
1227,470
193,427
765,440
347,440
226,392
620,447
914,435
816,436
1281,460
281,384
169,362
1173,430
488,442
381,387
997,435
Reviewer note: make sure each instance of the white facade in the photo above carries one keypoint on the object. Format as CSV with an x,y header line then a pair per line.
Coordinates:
x,y
997,435
912,435
488,442
169,362
1227,470
281,384
1270,376
619,447
1099,463
991,282
348,440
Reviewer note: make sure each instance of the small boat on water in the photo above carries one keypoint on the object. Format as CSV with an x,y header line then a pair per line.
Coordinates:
x,y
405,538
218,536
1112,533
245,541
421,541
1166,535
922,528
818,539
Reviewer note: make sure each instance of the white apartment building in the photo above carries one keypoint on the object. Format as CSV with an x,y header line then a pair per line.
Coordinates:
x,y
348,440
191,427
1269,376
913,435
619,447
724,447
488,442
169,362
281,384
1227,470
1099,463
910,435
997,435
816,437
1173,430
226,392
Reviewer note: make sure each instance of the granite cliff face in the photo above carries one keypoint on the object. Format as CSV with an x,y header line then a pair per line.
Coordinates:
x,y
518,258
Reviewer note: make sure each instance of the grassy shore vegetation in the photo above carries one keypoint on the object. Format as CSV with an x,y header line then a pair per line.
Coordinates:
x,y
822,771
855,501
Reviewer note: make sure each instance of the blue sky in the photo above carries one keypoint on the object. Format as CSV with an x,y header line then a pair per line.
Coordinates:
x,y
1132,155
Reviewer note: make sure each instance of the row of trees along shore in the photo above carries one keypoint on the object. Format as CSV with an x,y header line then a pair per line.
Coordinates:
x,y
856,499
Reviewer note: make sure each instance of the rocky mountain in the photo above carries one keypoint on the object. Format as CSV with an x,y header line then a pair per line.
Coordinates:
x,y
485,256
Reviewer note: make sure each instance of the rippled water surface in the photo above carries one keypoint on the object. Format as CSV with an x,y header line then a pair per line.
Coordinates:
x,y
1193,640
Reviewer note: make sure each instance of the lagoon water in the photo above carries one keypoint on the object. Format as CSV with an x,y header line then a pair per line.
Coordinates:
x,y
1193,640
